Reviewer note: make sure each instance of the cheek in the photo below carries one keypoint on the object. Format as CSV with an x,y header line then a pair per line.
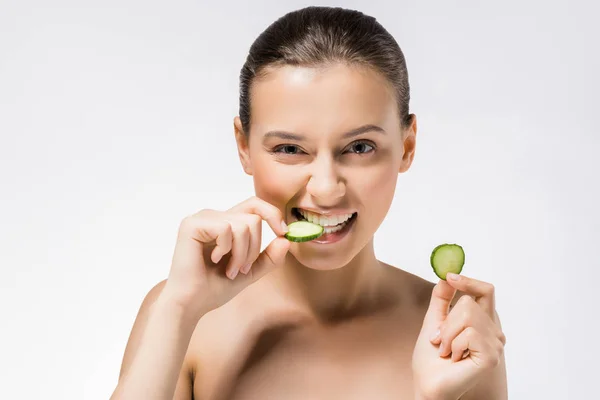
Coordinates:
x,y
275,183
376,186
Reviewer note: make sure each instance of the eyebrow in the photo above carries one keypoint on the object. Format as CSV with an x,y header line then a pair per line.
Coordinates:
x,y
297,137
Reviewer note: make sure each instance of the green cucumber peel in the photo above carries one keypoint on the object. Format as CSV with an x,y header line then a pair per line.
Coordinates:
x,y
447,258
303,231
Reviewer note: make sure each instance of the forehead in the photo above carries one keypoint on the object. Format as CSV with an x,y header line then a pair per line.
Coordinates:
x,y
322,100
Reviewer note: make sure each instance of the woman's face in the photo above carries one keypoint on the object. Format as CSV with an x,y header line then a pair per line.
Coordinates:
x,y
326,144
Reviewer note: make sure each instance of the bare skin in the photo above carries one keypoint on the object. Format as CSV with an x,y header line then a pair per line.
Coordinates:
x,y
265,344
311,320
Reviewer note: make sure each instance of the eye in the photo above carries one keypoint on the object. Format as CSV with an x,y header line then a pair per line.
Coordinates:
x,y
361,147
288,149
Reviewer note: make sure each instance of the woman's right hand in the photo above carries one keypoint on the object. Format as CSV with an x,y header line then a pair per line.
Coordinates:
x,y
214,246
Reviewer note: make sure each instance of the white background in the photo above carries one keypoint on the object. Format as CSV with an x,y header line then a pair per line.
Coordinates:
x,y
116,122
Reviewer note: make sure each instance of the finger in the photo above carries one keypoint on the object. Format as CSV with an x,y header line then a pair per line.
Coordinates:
x,y
271,257
483,292
254,223
461,344
466,313
239,250
204,229
441,297
481,350
224,241
271,214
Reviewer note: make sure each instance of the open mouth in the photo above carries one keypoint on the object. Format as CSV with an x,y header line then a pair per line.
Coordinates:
x,y
335,227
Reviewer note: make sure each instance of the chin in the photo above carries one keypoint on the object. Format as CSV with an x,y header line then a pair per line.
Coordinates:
x,y
319,263
319,258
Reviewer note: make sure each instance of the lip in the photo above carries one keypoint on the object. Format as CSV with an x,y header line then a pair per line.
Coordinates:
x,y
335,237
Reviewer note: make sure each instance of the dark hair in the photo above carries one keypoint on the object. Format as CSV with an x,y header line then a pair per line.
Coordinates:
x,y
314,36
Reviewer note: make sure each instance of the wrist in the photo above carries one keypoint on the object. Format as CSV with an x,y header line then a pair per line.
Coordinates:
x,y
184,314
192,304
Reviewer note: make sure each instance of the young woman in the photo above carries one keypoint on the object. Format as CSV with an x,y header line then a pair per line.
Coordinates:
x,y
324,130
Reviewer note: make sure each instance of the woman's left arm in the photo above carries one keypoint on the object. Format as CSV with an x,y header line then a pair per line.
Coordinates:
x,y
460,352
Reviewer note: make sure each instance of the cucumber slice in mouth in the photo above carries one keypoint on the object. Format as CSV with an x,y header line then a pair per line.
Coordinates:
x,y
303,231
447,258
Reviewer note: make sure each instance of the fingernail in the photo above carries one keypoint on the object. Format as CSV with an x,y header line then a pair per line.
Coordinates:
x,y
441,349
246,268
452,277
435,335
233,274
284,226
215,259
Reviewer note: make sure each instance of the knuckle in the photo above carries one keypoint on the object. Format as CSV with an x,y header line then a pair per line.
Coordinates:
x,y
275,214
445,336
455,345
502,338
274,211
500,350
433,388
255,219
226,229
490,289
250,200
188,223
185,222
491,362
470,332
494,356
495,361
466,316
465,300
437,291
192,220
244,230
203,213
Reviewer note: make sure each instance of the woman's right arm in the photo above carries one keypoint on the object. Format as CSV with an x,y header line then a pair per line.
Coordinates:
x,y
211,248
155,352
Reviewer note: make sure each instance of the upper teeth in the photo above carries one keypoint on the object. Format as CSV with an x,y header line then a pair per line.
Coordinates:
x,y
323,220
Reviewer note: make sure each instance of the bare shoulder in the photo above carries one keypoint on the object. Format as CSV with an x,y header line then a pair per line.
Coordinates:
x,y
417,289
224,338
219,340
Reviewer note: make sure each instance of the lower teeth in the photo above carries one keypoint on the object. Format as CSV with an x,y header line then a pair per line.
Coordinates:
x,y
335,228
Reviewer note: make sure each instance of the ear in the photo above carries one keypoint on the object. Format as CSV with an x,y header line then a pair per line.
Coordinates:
x,y
242,140
409,142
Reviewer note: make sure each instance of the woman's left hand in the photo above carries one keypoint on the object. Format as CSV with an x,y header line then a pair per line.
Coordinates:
x,y
456,349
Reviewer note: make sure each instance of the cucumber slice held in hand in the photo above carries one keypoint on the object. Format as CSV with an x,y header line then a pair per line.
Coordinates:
x,y
303,231
447,258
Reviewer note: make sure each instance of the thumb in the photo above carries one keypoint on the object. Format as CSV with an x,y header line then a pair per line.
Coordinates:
x,y
272,256
441,297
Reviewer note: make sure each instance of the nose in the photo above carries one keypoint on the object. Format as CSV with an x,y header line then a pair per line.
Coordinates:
x,y
325,184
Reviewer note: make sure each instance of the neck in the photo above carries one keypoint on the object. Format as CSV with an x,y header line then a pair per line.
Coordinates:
x,y
339,294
